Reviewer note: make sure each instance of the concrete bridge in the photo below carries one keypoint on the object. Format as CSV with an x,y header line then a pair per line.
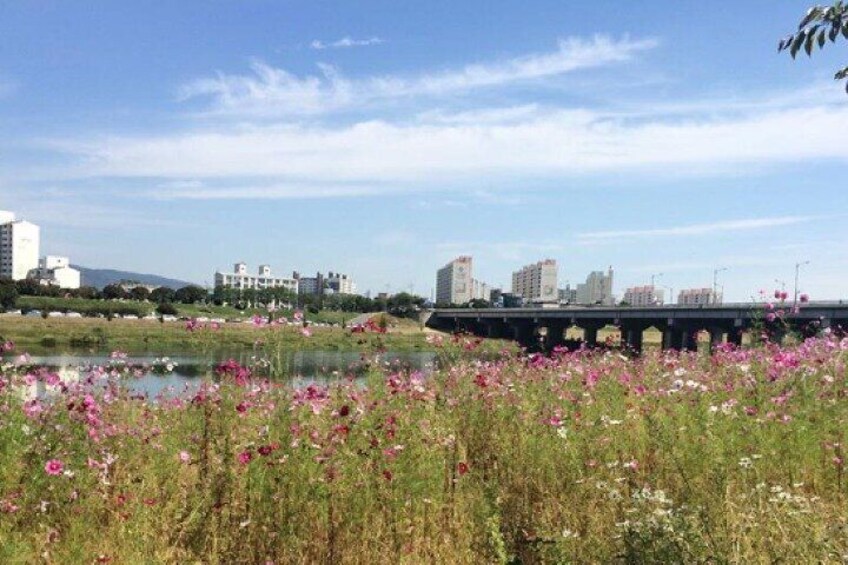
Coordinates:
x,y
545,328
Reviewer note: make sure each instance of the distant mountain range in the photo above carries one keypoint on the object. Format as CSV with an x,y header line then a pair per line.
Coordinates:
x,y
99,278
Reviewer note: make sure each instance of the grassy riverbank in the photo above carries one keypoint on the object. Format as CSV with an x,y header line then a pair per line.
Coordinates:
x,y
143,308
152,335
587,458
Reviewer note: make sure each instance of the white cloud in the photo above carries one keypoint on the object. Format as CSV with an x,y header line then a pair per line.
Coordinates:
x,y
378,155
271,91
698,229
346,42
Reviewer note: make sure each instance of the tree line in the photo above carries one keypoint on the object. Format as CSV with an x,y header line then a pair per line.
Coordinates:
x,y
401,305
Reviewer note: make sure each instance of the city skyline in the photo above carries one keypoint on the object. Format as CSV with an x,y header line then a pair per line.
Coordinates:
x,y
378,140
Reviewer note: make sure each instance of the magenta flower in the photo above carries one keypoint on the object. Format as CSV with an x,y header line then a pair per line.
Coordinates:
x,y
245,457
804,298
54,467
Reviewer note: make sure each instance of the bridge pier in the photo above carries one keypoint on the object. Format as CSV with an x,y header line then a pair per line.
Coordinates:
x,y
633,338
734,336
555,336
590,336
525,334
690,340
497,330
716,337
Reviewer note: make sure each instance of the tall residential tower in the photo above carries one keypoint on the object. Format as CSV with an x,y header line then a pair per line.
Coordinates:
x,y
19,247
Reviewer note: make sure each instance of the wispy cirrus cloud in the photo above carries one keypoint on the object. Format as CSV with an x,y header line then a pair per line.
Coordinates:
x,y
271,91
556,144
698,229
346,42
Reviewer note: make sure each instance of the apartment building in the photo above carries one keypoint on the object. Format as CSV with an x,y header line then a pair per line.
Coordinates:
x,y
19,247
241,279
454,282
647,295
597,289
537,282
698,297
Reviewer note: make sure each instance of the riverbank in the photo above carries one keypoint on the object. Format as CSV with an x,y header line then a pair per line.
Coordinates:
x,y
583,458
139,336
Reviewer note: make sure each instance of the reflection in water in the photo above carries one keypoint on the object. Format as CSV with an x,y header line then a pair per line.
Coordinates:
x,y
153,377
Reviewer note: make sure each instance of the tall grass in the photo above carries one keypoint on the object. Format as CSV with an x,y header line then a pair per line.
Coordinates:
x,y
586,457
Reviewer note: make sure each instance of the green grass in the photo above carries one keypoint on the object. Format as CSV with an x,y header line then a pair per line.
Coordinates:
x,y
171,337
588,458
141,309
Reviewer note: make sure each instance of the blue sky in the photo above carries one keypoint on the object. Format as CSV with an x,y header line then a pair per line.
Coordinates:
x,y
383,138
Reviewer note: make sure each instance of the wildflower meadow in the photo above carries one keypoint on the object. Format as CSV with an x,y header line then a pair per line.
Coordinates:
x,y
737,456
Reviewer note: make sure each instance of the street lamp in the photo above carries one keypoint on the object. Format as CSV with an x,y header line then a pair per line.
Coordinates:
x,y
715,278
797,273
670,290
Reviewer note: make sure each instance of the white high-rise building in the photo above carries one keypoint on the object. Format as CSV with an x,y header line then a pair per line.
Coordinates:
x,y
19,247
480,290
698,297
241,279
537,282
643,296
597,289
340,284
56,271
454,282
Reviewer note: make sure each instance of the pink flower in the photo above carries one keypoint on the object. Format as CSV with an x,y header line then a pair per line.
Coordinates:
x,y
54,467
804,298
185,457
783,295
8,346
770,317
462,468
306,332
245,457
777,295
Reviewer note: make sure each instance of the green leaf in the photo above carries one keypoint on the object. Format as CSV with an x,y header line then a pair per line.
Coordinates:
x,y
808,45
812,14
822,38
796,44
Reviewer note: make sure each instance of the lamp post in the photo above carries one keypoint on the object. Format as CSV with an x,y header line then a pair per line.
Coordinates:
x,y
670,290
715,278
798,266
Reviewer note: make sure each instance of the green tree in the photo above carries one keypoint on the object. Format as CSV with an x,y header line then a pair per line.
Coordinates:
x,y
820,25
162,295
113,292
8,294
88,292
139,293
191,294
